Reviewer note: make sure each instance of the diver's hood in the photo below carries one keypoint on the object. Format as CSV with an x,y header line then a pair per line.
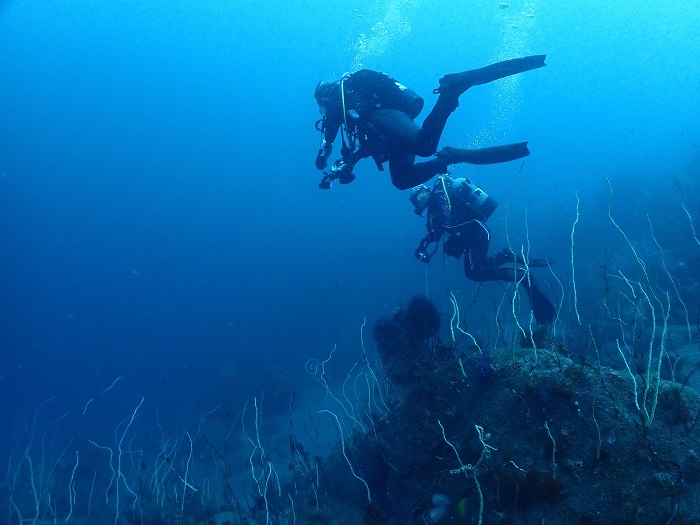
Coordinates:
x,y
326,92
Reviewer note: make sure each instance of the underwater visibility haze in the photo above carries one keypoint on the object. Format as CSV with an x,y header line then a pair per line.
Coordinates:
x,y
193,332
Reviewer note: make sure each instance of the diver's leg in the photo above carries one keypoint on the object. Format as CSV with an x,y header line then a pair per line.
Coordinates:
x,y
398,130
434,124
478,266
506,255
395,135
451,87
406,173
395,128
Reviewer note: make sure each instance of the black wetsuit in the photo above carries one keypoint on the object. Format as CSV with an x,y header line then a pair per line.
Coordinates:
x,y
380,112
382,119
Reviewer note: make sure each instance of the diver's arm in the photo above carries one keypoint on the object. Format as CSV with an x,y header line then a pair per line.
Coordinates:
x,y
344,165
423,252
329,132
435,233
331,126
354,157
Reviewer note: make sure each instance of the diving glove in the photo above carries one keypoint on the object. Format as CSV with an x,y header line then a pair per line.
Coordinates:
x,y
322,157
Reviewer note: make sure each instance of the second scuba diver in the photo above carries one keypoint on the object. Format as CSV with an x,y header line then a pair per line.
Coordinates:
x,y
457,211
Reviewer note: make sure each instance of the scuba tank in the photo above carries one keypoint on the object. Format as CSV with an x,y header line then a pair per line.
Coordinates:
x,y
447,191
408,101
474,197
375,90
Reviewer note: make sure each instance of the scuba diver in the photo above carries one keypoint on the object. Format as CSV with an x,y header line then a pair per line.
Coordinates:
x,y
376,114
457,211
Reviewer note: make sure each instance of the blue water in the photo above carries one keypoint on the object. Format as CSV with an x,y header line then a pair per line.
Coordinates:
x,y
160,220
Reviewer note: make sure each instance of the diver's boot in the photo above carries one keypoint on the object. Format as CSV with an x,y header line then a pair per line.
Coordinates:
x,y
506,255
539,263
434,124
492,155
454,84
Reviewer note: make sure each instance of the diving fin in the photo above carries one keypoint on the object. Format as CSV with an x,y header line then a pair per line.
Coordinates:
x,y
458,83
542,308
492,155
